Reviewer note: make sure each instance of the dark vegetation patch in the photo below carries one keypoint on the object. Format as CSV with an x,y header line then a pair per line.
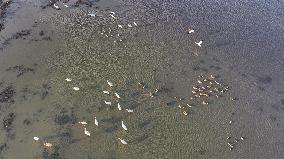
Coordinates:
x,y
20,70
112,120
3,147
8,123
84,2
27,122
196,68
278,108
45,91
3,8
8,120
48,38
64,118
25,92
171,103
261,88
265,79
65,137
77,3
259,109
21,34
282,101
41,33
6,95
244,75
272,117
142,138
111,129
201,151
42,92
215,67
222,43
52,154
144,124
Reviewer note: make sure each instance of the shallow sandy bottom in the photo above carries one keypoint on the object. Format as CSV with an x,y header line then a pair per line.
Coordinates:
x,y
221,100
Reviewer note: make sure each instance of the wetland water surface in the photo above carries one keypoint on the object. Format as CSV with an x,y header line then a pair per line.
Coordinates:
x,y
198,79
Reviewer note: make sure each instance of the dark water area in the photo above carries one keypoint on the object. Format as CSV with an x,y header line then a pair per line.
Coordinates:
x,y
141,79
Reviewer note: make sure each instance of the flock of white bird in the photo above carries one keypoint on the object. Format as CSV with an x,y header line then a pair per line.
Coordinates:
x,y
84,123
190,31
86,132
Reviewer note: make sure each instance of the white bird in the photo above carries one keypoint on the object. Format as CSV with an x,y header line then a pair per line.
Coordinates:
x,y
65,5
135,23
118,106
112,16
36,138
96,121
199,43
83,122
117,95
129,110
122,141
47,144
190,31
55,6
87,132
107,103
106,92
123,126
68,79
129,25
120,26
109,83
189,105
92,14
76,88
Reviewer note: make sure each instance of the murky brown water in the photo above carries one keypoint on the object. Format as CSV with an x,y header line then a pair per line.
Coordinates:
x,y
143,48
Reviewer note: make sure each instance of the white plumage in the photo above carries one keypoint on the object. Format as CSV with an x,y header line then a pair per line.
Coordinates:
x,y
117,95
118,106
55,6
199,43
76,88
107,103
96,121
83,122
129,110
87,132
106,92
68,79
190,31
92,14
109,83
123,126
122,141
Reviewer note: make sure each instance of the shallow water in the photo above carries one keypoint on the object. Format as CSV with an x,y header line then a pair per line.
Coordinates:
x,y
154,67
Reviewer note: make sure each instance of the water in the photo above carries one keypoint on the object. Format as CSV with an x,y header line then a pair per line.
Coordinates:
x,y
242,48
